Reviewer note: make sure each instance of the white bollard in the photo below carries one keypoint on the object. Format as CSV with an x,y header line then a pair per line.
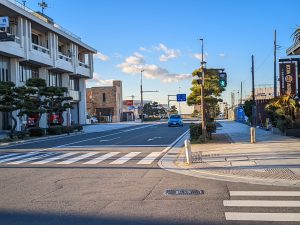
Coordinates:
x,y
252,135
188,152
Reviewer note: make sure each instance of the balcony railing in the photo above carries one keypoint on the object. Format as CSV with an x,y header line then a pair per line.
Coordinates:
x,y
17,40
64,57
75,95
40,48
22,6
82,64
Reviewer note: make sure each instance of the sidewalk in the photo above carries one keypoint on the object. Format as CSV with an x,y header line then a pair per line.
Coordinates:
x,y
273,159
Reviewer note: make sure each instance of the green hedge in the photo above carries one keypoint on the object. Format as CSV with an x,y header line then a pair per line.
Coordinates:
x,y
152,119
55,130
36,132
67,129
195,131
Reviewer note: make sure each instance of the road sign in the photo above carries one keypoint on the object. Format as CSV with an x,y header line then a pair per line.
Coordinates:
x,y
181,97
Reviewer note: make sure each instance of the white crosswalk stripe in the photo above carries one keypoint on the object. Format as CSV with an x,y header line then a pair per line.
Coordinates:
x,y
101,158
77,158
54,158
149,158
125,158
24,160
260,204
41,158
9,155
19,157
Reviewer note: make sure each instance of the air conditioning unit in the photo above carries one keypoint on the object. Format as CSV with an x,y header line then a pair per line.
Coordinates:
x,y
7,37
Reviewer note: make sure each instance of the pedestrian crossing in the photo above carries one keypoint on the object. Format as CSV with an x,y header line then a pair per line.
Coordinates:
x,y
84,158
267,206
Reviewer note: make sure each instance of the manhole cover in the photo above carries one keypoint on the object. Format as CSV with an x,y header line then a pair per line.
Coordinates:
x,y
184,192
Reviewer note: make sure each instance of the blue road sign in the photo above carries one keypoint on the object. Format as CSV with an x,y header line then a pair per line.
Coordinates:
x,y
181,97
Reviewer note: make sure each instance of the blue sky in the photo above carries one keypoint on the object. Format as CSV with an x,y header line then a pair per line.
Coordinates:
x,y
162,37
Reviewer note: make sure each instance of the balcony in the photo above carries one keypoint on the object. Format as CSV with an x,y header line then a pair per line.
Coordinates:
x,y
40,49
75,95
64,63
40,55
12,46
83,69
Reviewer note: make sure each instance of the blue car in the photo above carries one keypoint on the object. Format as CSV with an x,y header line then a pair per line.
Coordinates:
x,y
175,120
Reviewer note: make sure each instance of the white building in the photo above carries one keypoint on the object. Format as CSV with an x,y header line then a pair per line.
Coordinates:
x,y
41,48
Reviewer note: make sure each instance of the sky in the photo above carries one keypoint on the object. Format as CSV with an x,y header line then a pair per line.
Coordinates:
x,y
162,37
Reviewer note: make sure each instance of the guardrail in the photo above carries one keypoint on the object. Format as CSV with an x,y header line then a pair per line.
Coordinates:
x,y
83,64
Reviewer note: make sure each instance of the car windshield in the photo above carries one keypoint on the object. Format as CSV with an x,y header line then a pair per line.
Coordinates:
x,y
175,117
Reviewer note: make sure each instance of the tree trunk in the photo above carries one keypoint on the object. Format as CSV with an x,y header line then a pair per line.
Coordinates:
x,y
13,128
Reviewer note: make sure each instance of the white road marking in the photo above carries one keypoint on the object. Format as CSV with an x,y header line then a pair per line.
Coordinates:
x,y
264,193
152,139
101,158
125,158
30,159
150,158
287,217
19,157
109,139
9,155
55,158
75,159
260,203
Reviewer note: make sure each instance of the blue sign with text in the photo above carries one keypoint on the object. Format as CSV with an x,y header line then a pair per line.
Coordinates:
x,y
181,97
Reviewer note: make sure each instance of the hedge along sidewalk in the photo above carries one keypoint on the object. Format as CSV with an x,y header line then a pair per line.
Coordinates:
x,y
35,139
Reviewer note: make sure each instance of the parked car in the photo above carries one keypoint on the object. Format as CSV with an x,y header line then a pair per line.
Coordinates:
x,y
94,119
175,120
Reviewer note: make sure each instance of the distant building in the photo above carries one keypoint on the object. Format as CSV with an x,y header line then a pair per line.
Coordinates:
x,y
264,93
106,103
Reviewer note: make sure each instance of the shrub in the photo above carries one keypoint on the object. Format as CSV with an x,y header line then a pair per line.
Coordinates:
x,y
152,119
195,131
211,127
78,127
55,130
36,132
67,129
283,123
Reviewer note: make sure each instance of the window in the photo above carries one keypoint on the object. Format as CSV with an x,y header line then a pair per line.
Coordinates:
x,y
103,97
54,79
74,84
35,39
4,68
27,71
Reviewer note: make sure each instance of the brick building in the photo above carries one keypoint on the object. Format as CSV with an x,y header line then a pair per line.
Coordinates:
x,y
106,103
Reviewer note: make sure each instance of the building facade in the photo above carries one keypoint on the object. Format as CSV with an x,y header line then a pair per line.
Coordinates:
x,y
106,103
37,47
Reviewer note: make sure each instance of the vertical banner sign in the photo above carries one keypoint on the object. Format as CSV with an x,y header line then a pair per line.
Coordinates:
x,y
287,78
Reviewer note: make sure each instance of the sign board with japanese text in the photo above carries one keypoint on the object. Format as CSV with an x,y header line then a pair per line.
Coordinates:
x,y
287,78
181,97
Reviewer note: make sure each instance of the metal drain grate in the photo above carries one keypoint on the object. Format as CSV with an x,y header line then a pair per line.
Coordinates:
x,y
184,192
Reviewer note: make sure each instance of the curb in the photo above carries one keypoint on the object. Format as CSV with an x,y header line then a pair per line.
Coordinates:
x,y
40,139
173,161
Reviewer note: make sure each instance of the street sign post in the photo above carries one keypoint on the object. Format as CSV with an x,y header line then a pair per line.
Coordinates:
x,y
4,22
181,97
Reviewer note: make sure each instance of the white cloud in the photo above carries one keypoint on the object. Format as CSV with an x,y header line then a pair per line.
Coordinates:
x,y
134,64
97,81
168,53
222,55
101,56
143,49
199,56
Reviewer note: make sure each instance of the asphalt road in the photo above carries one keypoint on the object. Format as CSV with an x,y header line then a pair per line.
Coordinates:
x,y
113,177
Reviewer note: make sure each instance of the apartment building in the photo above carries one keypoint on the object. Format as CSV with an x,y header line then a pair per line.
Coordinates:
x,y
38,47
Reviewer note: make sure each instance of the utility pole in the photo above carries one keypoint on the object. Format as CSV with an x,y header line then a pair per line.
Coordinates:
x,y
241,93
253,95
142,103
203,121
275,76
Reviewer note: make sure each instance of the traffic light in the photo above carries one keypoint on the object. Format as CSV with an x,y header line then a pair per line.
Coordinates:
x,y
222,80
